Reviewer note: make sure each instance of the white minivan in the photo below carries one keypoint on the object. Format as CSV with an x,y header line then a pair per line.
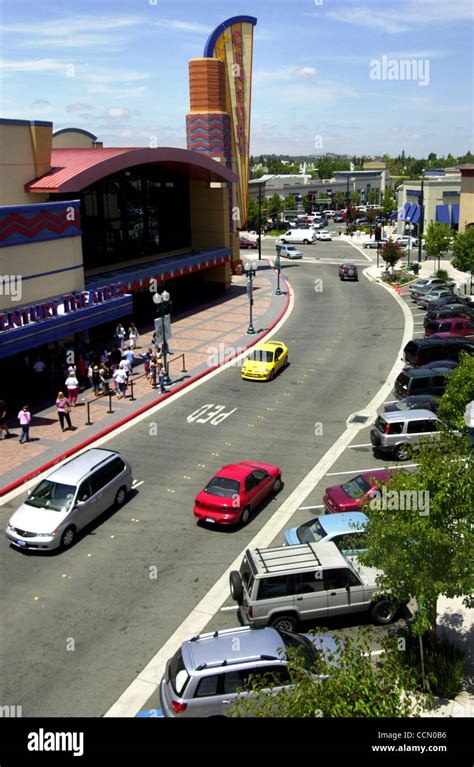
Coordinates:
x,y
301,236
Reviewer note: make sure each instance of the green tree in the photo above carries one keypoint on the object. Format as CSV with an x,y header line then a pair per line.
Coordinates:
x,y
340,200
388,202
391,253
463,251
459,392
437,240
424,547
252,216
354,197
290,202
275,204
352,683
371,196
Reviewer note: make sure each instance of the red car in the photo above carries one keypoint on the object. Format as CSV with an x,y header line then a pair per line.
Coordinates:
x,y
352,494
235,491
246,243
458,326
348,272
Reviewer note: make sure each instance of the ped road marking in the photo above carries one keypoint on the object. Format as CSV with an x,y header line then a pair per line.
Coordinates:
x,y
148,680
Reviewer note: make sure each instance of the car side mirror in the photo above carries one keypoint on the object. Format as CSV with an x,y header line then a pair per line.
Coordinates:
x,y
348,587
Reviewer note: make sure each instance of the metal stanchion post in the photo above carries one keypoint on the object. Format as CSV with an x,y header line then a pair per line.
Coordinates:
x,y
88,422
131,394
110,403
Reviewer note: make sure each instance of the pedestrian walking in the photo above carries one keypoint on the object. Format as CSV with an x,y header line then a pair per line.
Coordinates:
x,y
133,336
24,416
104,375
120,377
120,335
62,406
72,386
95,379
130,357
3,418
126,365
161,377
153,371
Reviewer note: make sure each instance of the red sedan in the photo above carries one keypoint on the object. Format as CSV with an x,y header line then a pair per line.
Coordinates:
x,y
235,491
352,494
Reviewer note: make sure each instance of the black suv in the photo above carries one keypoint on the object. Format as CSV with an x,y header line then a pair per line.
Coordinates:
x,y
423,350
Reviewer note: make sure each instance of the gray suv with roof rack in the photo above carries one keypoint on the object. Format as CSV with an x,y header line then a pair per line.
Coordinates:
x,y
208,673
284,585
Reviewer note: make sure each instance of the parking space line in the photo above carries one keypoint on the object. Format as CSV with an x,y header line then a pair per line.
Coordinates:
x,y
308,508
352,447
372,468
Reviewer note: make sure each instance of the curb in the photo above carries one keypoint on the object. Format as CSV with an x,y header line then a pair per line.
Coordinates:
x,y
109,429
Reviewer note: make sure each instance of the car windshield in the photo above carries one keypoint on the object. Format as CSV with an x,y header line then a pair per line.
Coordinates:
x,y
223,487
260,355
357,487
178,674
247,575
311,532
303,647
51,495
403,405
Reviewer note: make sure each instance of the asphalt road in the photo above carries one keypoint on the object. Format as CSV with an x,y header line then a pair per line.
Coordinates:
x,y
78,626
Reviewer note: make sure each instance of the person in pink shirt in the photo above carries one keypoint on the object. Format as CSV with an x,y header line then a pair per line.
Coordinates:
x,y
63,410
24,416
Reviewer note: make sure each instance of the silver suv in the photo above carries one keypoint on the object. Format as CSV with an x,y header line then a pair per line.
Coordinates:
x,y
399,433
209,672
284,585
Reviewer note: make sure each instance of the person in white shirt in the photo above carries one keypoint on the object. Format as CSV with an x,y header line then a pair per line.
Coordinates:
x,y
120,377
72,386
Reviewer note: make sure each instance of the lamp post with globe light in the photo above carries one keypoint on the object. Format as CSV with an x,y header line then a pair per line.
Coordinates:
x,y
469,421
162,301
250,272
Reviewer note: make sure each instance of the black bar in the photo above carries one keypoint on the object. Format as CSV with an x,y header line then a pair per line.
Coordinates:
x,y
110,402
88,422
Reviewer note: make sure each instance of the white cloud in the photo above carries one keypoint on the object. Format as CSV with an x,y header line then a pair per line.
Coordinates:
x,y
44,102
114,76
78,107
403,17
68,27
283,74
125,133
33,65
117,112
182,26
305,72
139,90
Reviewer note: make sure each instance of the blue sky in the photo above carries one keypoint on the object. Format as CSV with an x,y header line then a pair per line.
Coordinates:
x,y
120,70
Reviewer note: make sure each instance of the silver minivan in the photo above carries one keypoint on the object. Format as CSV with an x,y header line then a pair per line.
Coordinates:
x,y
69,499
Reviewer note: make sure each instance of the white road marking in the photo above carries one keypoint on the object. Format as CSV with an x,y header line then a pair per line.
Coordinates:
x,y
369,258
135,483
367,444
307,508
372,468
148,680
418,323
152,411
228,609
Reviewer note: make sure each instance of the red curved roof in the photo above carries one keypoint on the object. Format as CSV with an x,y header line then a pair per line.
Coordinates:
x,y
74,169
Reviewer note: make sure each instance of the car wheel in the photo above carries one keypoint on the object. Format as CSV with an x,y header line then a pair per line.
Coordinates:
x,y
68,537
402,452
245,516
121,496
236,590
283,241
284,623
384,612
305,242
272,375
277,485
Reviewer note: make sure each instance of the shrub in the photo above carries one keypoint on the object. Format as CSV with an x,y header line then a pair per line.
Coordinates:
x,y
444,666
442,274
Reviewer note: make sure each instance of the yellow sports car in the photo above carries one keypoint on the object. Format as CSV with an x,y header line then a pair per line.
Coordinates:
x,y
265,361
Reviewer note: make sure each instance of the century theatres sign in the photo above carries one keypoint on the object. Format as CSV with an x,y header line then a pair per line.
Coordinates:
x,y
64,305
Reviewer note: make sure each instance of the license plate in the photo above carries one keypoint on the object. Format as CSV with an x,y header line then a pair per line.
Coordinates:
x,y
209,519
21,543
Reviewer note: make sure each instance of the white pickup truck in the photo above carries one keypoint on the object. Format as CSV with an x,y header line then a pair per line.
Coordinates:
x,y
301,236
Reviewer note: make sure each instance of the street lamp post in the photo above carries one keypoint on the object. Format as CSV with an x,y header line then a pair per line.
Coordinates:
x,y
250,272
351,179
278,268
162,301
259,222
421,202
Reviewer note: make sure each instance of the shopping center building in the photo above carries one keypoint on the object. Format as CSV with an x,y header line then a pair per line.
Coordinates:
x,y
88,233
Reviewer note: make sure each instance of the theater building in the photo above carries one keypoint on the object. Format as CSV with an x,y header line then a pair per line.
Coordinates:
x,y
88,232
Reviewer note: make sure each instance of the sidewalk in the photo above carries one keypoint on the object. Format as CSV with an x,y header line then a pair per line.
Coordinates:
x,y
205,337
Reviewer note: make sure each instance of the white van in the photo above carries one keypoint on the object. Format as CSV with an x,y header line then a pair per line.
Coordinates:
x,y
302,236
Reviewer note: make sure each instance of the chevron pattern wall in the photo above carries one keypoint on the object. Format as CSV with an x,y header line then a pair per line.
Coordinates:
x,y
25,224
209,134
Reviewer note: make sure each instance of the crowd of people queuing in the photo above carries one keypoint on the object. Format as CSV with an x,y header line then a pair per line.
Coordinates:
x,y
68,372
